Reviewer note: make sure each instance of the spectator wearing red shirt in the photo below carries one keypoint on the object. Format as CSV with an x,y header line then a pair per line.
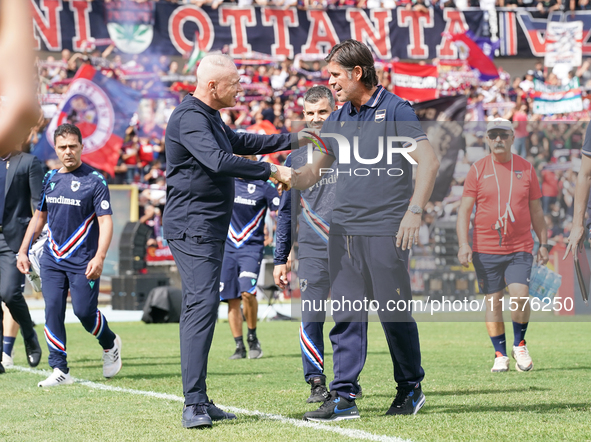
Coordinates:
x,y
506,192
261,76
549,189
129,155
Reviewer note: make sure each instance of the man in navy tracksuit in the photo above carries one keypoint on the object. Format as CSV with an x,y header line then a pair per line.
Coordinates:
x,y
314,206
242,259
373,226
200,167
77,208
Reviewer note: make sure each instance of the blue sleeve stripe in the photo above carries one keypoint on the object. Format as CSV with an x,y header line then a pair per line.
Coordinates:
x,y
420,138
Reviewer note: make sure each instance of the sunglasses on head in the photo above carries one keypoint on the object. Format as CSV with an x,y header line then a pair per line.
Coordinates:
x,y
503,135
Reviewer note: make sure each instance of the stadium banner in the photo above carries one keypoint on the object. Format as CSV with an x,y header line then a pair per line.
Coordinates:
x,y
414,82
161,27
563,99
159,256
442,120
90,105
564,44
522,32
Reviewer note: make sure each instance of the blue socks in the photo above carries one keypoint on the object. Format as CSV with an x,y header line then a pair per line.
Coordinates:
x,y
519,333
500,344
7,344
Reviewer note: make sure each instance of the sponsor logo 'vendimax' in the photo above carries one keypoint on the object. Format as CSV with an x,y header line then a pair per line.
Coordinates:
x,y
62,200
247,201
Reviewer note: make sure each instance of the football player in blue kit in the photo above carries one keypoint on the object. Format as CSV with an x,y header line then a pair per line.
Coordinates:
x,y
315,208
76,206
242,258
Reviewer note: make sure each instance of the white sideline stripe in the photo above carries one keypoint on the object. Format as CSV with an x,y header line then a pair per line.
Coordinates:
x,y
354,434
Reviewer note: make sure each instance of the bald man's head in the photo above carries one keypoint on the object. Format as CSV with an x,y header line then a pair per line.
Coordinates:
x,y
218,82
215,67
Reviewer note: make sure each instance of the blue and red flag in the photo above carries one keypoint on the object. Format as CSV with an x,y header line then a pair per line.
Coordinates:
x,y
101,108
471,52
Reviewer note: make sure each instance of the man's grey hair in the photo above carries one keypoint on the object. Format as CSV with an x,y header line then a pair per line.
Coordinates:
x,y
317,93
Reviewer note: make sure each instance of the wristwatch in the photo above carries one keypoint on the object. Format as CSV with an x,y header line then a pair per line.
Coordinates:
x,y
274,170
415,209
546,246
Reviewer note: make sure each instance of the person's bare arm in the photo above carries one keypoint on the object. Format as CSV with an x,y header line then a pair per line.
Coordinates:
x,y
108,50
539,224
427,168
462,228
20,108
581,198
311,173
95,266
33,231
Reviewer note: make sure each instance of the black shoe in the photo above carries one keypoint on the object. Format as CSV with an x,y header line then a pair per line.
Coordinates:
x,y
254,348
2,368
318,390
217,414
196,416
408,400
33,350
359,394
240,353
336,408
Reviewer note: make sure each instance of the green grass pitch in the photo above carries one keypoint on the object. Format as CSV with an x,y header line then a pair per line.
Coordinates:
x,y
465,402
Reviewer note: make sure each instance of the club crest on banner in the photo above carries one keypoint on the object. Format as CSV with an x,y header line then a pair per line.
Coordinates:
x,y
251,188
303,285
87,106
75,185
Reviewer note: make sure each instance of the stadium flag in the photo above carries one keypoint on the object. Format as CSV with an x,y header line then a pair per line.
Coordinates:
x,y
563,99
564,43
414,82
101,108
196,55
471,52
442,120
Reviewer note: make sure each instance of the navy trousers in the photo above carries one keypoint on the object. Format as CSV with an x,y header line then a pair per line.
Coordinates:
x,y
314,289
199,261
12,283
365,268
84,295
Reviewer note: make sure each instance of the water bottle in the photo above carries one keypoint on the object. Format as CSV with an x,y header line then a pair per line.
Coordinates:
x,y
534,279
556,282
544,275
548,287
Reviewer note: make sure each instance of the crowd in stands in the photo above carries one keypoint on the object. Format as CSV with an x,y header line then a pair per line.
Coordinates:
x,y
273,101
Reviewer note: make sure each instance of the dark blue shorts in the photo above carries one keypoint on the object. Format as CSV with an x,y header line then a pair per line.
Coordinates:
x,y
495,272
240,272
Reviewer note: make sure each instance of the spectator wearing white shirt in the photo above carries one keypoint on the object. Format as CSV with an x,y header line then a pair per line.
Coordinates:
x,y
528,83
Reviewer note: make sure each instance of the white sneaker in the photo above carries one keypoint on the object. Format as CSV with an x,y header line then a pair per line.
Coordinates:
x,y
522,358
56,378
112,359
501,363
7,360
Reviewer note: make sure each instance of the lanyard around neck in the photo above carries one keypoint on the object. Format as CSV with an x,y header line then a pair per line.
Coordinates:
x,y
499,187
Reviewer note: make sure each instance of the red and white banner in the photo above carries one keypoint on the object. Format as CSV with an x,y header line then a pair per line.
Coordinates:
x,y
414,82
564,44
